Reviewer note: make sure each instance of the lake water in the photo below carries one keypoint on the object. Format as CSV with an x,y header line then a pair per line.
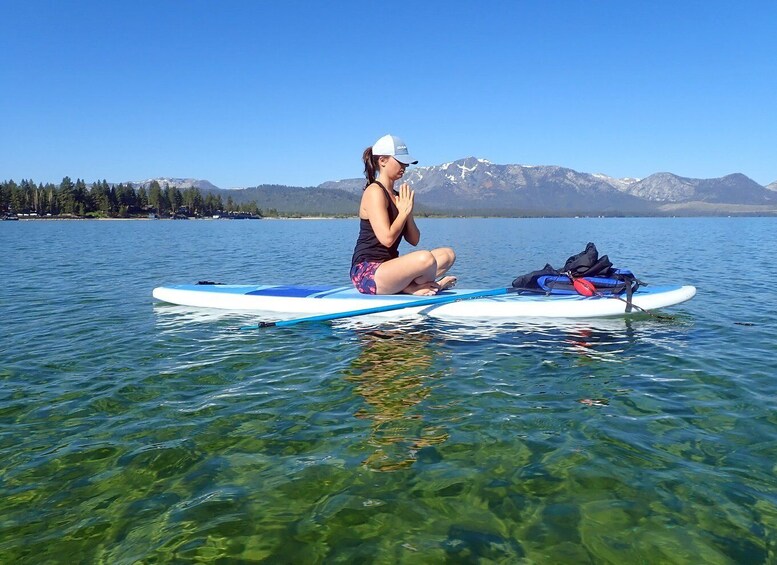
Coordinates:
x,y
139,432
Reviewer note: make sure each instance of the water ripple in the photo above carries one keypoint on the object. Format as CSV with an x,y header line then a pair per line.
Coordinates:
x,y
133,432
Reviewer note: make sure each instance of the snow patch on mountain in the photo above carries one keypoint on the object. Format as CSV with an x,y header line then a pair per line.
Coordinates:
x,y
465,170
623,184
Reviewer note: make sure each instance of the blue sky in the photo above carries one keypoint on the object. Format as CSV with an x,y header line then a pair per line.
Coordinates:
x,y
290,92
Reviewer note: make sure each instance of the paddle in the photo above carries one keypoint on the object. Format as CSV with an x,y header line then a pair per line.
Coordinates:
x,y
431,301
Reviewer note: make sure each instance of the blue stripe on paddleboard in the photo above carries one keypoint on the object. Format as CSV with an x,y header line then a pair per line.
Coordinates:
x,y
290,291
330,290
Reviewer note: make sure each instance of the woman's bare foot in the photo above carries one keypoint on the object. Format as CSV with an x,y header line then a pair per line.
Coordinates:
x,y
430,288
446,282
423,289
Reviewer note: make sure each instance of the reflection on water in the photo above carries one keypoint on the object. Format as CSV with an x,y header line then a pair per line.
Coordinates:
x,y
600,344
170,317
396,367
393,374
602,339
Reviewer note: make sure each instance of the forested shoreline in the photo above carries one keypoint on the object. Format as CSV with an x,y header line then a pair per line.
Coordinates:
x,y
104,200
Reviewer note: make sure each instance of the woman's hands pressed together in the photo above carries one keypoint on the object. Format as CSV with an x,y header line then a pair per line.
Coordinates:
x,y
405,199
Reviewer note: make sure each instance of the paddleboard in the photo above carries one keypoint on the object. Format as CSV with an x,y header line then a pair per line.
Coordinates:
x,y
300,300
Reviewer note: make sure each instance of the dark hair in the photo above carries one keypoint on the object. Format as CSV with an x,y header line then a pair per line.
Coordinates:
x,y
370,165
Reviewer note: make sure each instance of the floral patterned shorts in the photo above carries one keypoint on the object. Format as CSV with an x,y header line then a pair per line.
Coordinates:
x,y
363,276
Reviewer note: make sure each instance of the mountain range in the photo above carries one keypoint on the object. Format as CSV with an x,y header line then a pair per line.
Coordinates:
x,y
179,183
473,186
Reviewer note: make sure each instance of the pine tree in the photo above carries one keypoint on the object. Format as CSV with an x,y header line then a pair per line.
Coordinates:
x,y
155,197
142,197
66,196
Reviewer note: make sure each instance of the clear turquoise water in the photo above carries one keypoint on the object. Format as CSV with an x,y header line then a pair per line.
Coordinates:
x,y
139,432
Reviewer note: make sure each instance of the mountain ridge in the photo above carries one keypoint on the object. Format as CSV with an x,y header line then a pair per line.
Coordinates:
x,y
475,186
557,190
175,182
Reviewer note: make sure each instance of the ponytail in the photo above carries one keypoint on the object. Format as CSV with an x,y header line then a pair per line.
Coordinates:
x,y
370,166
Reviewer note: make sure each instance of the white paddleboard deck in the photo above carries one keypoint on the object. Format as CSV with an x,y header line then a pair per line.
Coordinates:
x,y
316,300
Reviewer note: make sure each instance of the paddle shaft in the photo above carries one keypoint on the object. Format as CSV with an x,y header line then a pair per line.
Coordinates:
x,y
432,301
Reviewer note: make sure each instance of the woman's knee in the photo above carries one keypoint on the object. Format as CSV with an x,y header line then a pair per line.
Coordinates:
x,y
425,260
446,256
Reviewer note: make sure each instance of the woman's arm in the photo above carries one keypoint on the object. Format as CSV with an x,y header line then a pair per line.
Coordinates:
x,y
374,209
412,233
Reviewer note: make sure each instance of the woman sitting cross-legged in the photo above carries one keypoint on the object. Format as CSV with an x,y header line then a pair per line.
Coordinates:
x,y
386,216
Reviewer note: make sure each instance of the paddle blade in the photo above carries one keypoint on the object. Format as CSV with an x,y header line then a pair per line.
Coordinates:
x,y
584,287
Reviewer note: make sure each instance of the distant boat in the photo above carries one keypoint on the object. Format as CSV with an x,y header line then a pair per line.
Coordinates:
x,y
11,218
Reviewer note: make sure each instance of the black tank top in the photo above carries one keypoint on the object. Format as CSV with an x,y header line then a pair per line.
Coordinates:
x,y
368,247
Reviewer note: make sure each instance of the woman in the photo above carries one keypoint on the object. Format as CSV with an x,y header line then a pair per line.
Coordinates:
x,y
386,216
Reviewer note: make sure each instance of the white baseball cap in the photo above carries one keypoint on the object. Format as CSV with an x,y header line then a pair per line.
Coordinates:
x,y
392,146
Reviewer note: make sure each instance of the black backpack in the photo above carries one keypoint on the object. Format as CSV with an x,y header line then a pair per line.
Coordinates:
x,y
587,265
